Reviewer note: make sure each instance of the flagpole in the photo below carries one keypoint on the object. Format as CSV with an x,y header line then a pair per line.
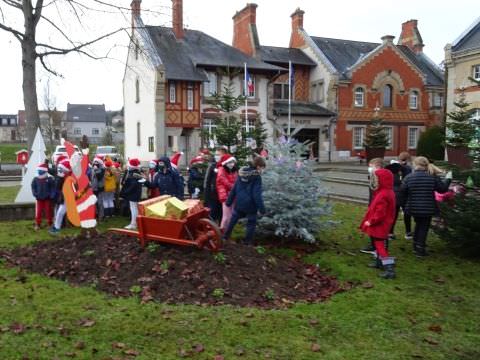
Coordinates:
x,y
289,97
246,100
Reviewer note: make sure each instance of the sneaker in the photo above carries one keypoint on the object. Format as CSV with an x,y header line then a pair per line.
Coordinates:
x,y
408,236
54,231
131,227
36,227
391,237
369,249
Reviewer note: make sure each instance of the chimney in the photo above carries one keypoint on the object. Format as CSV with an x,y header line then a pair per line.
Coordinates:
x,y
245,35
136,10
177,19
296,40
387,39
411,37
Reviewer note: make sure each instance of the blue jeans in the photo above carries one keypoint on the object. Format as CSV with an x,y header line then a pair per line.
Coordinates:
x,y
251,225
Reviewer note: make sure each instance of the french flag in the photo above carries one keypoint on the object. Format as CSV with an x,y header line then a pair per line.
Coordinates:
x,y
249,85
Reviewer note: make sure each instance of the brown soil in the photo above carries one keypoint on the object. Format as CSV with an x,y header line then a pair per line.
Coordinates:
x,y
119,266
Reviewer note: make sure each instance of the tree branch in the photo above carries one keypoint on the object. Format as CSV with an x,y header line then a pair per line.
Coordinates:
x,y
13,3
38,12
42,61
15,33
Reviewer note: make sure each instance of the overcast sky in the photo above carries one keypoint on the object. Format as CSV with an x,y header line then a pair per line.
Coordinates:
x,y
100,82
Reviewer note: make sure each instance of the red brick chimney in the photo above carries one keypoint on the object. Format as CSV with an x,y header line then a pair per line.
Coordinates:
x,y
411,37
245,35
177,19
296,40
136,10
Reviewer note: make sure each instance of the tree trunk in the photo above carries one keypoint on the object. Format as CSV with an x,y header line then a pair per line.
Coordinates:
x,y
30,100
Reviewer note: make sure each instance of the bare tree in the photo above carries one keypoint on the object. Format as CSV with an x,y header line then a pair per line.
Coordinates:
x,y
32,50
51,123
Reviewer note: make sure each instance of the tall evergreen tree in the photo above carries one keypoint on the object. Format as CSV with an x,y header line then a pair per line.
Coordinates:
x,y
376,136
460,130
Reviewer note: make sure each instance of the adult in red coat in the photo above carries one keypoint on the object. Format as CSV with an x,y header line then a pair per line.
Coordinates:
x,y
226,177
379,219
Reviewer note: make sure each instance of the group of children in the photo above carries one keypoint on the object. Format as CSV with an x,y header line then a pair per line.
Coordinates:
x,y
401,186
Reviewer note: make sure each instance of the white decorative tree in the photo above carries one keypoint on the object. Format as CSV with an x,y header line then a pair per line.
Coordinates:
x,y
37,157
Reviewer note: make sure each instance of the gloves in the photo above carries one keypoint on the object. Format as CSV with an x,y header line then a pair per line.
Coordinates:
x,y
449,176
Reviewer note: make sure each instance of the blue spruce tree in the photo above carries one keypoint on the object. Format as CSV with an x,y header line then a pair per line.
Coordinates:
x,y
292,194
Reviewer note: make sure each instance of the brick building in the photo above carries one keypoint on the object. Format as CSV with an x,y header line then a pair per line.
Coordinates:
x,y
357,79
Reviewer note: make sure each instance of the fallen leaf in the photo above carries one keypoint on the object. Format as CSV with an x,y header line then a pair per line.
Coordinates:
x,y
368,285
431,341
79,345
218,357
70,354
18,328
240,352
118,345
456,298
131,352
315,347
313,322
435,328
198,348
86,322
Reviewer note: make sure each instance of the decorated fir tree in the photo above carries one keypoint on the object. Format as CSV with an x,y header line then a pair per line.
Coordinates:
x,y
460,130
292,194
376,136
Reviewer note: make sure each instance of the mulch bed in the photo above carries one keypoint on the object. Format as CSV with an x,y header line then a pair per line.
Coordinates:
x,y
119,266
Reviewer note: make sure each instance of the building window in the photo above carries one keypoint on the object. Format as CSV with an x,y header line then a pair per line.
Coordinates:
x,y
251,125
413,133
137,90
209,125
4,121
358,137
437,100
95,131
170,141
389,133
210,88
172,91
359,97
77,131
139,142
387,96
316,93
476,72
190,99
280,91
151,142
413,102
475,116
251,90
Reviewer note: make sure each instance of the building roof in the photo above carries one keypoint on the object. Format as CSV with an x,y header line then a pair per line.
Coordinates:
x,y
183,59
86,113
469,39
343,54
300,108
281,56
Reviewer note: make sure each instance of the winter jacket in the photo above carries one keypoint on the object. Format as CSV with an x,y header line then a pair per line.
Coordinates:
x,y
110,181
419,189
58,197
196,177
97,179
168,182
381,211
399,172
225,181
152,192
210,184
43,189
132,188
247,192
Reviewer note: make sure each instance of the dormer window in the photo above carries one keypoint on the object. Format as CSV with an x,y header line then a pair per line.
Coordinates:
x,y
413,102
359,97
476,72
387,96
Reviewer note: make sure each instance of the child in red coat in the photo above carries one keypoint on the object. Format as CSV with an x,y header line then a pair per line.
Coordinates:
x,y
379,219
226,177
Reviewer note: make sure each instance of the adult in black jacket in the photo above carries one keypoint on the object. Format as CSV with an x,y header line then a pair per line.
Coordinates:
x,y
131,191
419,189
210,186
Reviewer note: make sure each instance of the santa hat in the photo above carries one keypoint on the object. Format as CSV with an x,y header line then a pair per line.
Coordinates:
x,y
65,166
196,160
204,152
153,162
42,167
134,163
60,158
175,158
98,159
108,163
226,159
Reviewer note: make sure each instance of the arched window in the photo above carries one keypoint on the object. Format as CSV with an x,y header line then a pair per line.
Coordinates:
x,y
387,96
413,100
359,97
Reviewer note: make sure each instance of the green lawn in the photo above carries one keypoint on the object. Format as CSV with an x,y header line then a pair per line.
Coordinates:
x,y
8,151
8,193
430,312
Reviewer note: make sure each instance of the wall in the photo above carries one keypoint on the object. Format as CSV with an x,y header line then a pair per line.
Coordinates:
x,y
86,129
12,212
459,69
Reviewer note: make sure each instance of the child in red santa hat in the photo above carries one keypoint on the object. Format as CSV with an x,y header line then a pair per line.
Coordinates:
x,y
152,171
64,170
43,190
132,190
226,177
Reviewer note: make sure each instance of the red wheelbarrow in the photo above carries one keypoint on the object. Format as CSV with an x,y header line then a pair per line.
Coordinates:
x,y
195,230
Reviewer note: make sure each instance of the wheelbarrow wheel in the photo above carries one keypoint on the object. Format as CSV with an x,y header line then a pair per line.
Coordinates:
x,y
208,235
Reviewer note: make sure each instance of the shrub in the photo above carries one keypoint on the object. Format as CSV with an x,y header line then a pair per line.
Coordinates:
x,y
432,143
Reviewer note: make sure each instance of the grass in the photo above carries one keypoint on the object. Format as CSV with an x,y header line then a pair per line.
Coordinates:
x,y
430,312
8,152
8,193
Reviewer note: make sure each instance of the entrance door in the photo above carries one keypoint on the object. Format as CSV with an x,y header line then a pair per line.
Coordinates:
x,y
311,135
